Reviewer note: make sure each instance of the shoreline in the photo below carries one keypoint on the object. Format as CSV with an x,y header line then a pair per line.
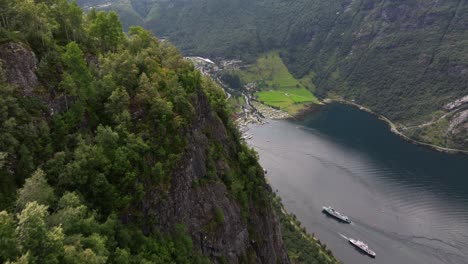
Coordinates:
x,y
308,108
394,129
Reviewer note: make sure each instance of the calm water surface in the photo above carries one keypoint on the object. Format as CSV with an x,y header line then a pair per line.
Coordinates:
x,y
409,203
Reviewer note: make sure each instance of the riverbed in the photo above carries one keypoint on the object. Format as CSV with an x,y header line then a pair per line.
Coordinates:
x,y
408,202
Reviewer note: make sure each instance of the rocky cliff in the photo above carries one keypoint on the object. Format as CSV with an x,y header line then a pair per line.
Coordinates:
x,y
20,64
234,238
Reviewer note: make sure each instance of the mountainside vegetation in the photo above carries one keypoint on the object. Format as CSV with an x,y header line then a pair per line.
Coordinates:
x,y
403,59
114,149
83,137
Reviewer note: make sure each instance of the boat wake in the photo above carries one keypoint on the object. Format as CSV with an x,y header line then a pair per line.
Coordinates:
x,y
343,236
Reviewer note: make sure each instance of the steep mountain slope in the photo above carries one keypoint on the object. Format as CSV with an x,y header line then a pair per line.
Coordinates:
x,y
133,156
224,28
403,59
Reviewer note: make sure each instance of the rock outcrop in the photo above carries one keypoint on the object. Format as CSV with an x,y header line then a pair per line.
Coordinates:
x,y
458,127
20,64
459,123
457,103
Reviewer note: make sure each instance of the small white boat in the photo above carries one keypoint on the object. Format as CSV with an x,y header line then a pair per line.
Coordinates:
x,y
362,246
331,211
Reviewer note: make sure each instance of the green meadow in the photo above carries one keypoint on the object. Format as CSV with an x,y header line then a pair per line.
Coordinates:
x,y
291,100
278,87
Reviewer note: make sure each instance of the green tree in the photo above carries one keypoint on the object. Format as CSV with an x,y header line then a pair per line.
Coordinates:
x,y
106,29
118,106
69,17
122,256
76,77
87,174
8,245
76,255
43,244
140,39
73,216
183,244
36,189
33,21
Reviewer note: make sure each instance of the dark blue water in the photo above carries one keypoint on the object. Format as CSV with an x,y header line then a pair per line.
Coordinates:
x,y
409,203
363,132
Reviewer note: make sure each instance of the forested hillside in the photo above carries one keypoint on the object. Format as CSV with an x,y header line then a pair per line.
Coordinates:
x,y
403,59
114,149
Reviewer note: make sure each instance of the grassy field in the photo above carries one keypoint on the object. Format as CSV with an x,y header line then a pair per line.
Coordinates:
x,y
278,87
291,100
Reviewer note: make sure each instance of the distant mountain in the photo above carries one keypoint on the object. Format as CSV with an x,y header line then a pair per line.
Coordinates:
x,y
405,59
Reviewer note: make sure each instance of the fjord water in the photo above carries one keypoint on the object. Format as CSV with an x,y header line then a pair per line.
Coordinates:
x,y
409,203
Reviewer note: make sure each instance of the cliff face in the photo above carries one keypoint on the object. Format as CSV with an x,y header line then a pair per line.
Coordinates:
x,y
197,207
20,64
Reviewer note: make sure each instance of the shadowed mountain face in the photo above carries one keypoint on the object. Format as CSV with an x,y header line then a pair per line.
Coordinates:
x,y
405,59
